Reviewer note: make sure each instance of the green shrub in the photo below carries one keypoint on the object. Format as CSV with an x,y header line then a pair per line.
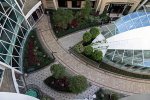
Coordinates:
x,y
104,17
78,84
88,50
114,97
62,18
58,71
86,10
45,98
79,48
97,55
87,37
95,32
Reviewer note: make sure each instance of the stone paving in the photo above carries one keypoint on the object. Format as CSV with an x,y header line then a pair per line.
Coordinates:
x,y
38,77
100,78
71,40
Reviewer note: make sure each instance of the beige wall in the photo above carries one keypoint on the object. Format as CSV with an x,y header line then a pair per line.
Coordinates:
x,y
69,4
103,3
50,4
82,4
99,5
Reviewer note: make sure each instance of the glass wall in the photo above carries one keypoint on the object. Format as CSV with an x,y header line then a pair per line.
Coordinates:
x,y
13,29
133,60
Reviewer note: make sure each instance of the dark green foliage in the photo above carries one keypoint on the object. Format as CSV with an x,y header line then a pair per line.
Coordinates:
x,y
78,84
61,84
81,23
107,95
62,18
97,55
79,48
46,98
86,10
58,71
34,55
87,37
104,17
95,32
88,50
61,81
114,97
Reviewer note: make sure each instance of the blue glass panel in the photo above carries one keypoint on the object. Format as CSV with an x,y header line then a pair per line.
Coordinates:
x,y
121,28
134,15
119,21
145,21
137,23
126,18
141,13
147,64
130,25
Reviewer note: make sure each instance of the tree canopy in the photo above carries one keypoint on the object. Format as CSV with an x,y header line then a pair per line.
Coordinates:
x,y
63,17
58,71
78,84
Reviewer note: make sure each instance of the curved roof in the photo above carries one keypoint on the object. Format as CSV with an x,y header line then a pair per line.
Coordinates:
x,y
126,23
15,96
136,39
127,41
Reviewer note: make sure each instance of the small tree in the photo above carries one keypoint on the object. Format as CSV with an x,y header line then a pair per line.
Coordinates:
x,y
95,32
87,37
58,71
86,10
79,48
78,84
104,17
62,18
97,55
88,50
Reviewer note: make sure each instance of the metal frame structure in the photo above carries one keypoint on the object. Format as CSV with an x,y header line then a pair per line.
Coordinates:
x,y
14,29
137,61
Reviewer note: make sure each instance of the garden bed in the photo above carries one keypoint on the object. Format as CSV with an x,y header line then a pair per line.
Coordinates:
x,y
75,25
34,55
106,94
106,67
60,85
63,82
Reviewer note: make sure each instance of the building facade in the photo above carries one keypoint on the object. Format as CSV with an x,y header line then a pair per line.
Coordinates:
x,y
17,18
144,4
114,8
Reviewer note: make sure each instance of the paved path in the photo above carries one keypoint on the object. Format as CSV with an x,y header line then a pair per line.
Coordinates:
x,y
71,40
97,77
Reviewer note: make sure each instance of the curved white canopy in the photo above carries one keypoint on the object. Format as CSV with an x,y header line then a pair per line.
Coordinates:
x,y
136,39
15,96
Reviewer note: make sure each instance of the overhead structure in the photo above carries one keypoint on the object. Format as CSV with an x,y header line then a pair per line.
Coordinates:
x,y
126,42
16,21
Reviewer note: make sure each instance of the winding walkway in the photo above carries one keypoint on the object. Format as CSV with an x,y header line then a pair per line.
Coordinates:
x,y
100,78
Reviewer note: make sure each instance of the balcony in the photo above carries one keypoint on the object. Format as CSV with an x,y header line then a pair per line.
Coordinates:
x,y
7,84
28,5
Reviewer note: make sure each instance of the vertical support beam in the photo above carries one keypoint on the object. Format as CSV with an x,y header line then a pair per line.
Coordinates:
x,y
98,6
55,4
141,5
